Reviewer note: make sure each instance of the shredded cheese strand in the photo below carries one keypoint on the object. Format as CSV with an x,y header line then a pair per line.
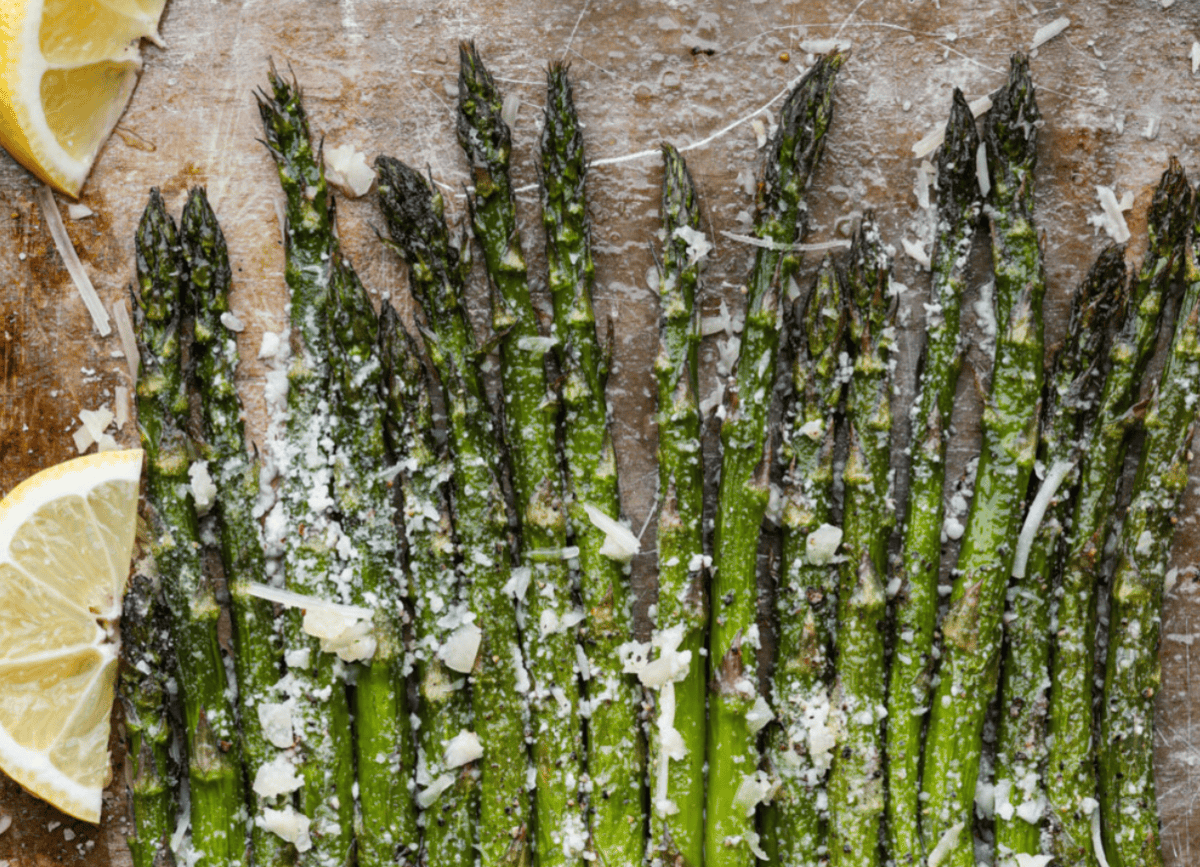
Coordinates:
x,y
1037,511
298,600
62,242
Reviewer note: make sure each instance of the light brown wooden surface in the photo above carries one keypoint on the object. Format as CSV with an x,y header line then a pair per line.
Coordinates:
x,y
381,75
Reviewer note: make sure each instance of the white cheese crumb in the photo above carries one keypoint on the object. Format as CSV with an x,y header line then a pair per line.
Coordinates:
x,y
121,405
1195,55
944,845
824,46
462,748
299,658
346,168
277,777
620,543
231,321
916,252
822,544
288,825
1024,860
96,421
83,439
430,794
79,211
759,715
5,822
269,348
1048,32
518,582
953,528
1111,219
461,648
204,490
698,246
752,791
1097,838
981,170
276,722
348,636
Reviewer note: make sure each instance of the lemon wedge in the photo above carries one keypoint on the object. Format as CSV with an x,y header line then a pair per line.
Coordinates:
x,y
66,539
67,70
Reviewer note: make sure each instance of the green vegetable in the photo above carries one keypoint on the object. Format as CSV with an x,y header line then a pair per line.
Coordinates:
x,y
958,205
730,838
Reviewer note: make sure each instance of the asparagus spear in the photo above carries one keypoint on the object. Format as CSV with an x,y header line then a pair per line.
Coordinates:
x,y
681,611
1075,381
383,739
146,650
616,759
212,742
1129,810
730,838
324,754
794,832
958,205
856,775
448,817
437,274
530,411
1071,781
972,628
259,659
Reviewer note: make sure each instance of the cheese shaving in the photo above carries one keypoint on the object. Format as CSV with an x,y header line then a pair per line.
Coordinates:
x,y
277,777
819,247
620,543
462,749
128,340
289,599
1097,838
288,825
346,168
1112,219
944,845
276,722
204,491
427,796
461,648
62,242
343,629
1048,32
981,170
822,543
121,405
1037,511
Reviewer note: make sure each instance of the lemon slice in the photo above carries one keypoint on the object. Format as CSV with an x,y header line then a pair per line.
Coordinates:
x,y
67,70
66,538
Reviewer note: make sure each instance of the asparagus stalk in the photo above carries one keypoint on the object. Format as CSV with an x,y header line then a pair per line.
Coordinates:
x,y
530,411
383,735
437,272
1129,809
730,838
1076,377
324,754
681,610
214,773
448,817
958,204
1071,780
856,774
616,758
972,628
146,650
234,472
794,832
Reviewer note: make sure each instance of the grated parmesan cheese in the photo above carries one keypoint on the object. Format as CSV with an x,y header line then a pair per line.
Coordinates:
x,y
944,845
1111,218
427,796
462,648
276,722
288,825
62,242
277,777
933,140
620,543
822,543
462,749
204,490
128,340
1037,511
346,168
981,170
1044,35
